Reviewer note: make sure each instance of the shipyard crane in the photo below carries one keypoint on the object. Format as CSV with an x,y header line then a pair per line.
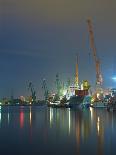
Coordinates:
x,y
44,87
97,61
33,93
58,85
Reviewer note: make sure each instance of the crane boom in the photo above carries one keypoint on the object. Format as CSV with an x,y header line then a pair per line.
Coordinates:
x,y
92,45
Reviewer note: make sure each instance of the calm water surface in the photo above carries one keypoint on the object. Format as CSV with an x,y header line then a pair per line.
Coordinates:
x,y
46,131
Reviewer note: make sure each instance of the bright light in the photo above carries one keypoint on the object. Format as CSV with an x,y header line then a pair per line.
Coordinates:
x,y
64,92
92,100
98,95
114,78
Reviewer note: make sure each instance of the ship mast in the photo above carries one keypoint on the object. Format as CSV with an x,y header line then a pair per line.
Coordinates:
x,y
76,74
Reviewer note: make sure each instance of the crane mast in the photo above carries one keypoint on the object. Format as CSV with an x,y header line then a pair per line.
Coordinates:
x,y
76,75
44,87
92,45
33,93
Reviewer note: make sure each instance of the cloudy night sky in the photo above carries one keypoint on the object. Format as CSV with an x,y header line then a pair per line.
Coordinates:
x,y
39,38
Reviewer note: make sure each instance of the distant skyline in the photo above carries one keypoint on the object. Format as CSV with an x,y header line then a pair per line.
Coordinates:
x,y
39,39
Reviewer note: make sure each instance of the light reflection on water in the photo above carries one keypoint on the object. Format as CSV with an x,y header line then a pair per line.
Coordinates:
x,y
69,122
57,131
30,116
21,118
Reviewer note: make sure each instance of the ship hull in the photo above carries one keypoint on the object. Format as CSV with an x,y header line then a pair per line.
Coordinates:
x,y
76,101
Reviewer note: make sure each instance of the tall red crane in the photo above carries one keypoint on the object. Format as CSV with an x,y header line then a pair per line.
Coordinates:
x,y
92,45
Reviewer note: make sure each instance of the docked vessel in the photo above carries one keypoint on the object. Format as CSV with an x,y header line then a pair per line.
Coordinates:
x,y
63,103
99,104
86,102
111,107
112,103
73,96
77,100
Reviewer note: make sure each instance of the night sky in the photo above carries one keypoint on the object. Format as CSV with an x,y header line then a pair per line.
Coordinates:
x,y
39,38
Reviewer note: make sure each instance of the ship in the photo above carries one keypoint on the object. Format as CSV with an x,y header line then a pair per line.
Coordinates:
x,y
81,90
74,95
79,99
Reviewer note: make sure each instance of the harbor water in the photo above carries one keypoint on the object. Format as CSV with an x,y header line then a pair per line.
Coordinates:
x,y
41,130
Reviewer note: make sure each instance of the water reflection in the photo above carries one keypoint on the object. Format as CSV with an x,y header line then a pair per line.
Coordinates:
x,y
100,137
91,112
8,118
51,116
69,120
30,116
98,124
83,123
90,131
21,118
78,135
